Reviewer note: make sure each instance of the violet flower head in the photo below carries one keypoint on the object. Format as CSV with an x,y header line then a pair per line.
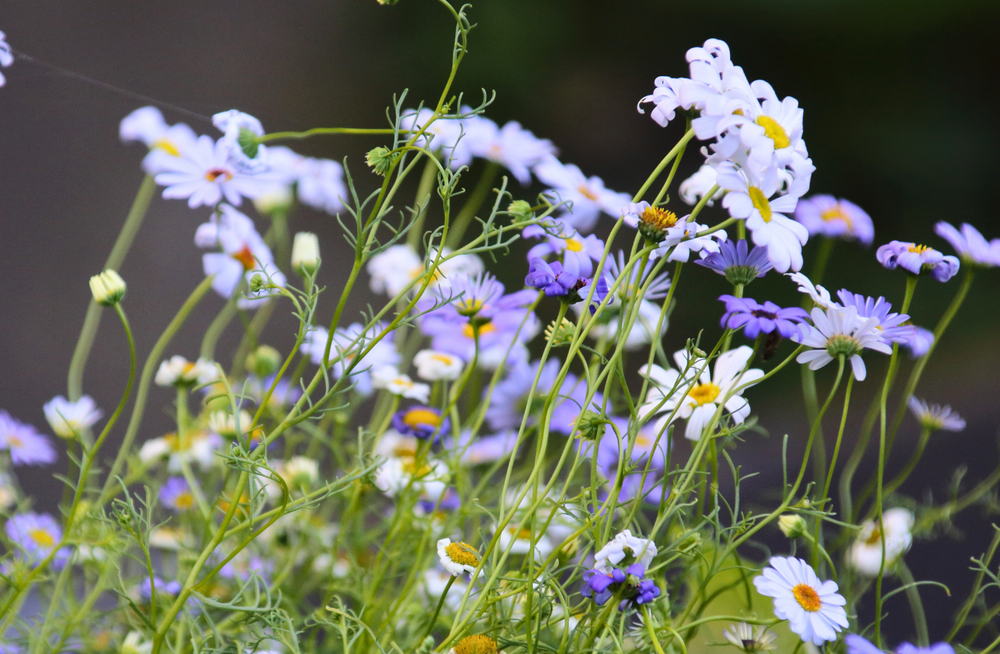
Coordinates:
x,y
920,342
420,421
918,260
858,645
972,247
740,264
831,217
756,319
631,585
891,326
550,277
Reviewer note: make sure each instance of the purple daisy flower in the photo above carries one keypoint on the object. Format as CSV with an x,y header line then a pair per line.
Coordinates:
x,y
176,495
551,278
578,253
645,452
891,326
972,247
420,421
920,342
737,262
448,502
828,216
858,645
918,260
756,319
25,444
510,397
35,535
631,583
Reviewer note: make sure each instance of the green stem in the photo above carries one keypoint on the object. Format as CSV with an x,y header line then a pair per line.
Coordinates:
x,y
92,321
319,131
215,330
916,605
421,202
475,201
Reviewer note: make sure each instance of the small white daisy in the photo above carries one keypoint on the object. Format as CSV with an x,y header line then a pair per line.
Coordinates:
x,y
68,419
865,554
437,366
390,379
936,417
625,545
814,609
839,331
204,175
519,542
178,371
458,558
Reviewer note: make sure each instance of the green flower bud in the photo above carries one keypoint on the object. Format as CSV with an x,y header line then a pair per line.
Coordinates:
x,y
791,525
380,160
305,253
263,361
561,334
257,283
520,210
108,288
248,142
591,425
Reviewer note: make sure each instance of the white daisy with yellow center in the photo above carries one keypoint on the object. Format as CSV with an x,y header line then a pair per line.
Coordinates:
x,y
814,609
458,558
696,395
390,379
865,554
437,366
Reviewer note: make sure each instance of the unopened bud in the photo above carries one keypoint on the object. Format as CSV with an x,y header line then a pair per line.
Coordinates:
x,y
108,288
276,200
520,210
248,142
257,283
380,160
591,425
305,253
561,334
263,361
791,525
698,352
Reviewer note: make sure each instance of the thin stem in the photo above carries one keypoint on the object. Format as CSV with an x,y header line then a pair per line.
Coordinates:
x,y
916,605
472,205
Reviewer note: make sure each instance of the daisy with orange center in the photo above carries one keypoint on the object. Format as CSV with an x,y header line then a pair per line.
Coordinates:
x,y
814,609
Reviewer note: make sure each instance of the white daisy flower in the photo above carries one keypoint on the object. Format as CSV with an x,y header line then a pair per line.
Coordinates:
x,y
519,542
68,419
697,186
437,366
814,609
300,471
8,496
458,558
666,98
682,239
196,447
178,371
435,583
587,197
244,254
752,198
390,379
392,444
429,478
750,639
511,146
936,417
839,331
865,554
170,538
6,56
819,295
343,351
133,644
625,545
699,398
205,175
165,142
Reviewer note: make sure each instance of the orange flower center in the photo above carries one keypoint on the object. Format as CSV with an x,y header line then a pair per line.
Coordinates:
x,y
919,249
658,218
586,192
462,554
485,328
415,418
807,597
213,174
245,256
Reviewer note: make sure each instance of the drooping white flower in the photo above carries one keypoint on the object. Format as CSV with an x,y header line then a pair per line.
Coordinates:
x,y
178,371
753,199
6,56
244,254
344,350
511,146
819,295
205,175
458,558
68,419
697,186
839,331
390,379
936,417
699,398
438,366
865,554
624,545
586,196
814,609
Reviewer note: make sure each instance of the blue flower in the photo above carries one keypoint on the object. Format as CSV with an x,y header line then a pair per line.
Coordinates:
x,y
891,325
858,645
420,421
736,263
630,584
917,260
756,319
550,277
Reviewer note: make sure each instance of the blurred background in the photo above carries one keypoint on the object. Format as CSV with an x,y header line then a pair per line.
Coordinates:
x,y
901,117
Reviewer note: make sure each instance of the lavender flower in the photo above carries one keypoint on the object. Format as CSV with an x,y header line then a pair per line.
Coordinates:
x,y
936,417
739,265
25,444
891,326
920,342
918,260
550,277
578,253
35,535
630,584
828,216
972,247
858,645
176,494
757,319
420,421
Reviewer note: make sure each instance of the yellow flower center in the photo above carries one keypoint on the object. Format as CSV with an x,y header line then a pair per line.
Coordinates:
x,y
573,245
485,328
520,534
462,554
658,218
166,146
245,257
760,203
586,192
469,307
836,213
807,597
213,174
14,441
919,249
184,501
443,359
875,537
774,131
704,393
42,538
478,644
415,418
643,440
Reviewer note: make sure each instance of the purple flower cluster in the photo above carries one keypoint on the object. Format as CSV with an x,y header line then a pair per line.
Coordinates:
x,y
629,584
556,281
756,319
918,260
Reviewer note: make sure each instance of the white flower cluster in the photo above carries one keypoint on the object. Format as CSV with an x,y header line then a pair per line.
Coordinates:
x,y
758,157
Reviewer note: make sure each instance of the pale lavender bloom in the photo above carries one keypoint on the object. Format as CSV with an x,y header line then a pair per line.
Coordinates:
x,y
936,417
835,218
858,645
890,325
25,444
646,451
920,342
757,319
586,197
344,350
578,252
839,331
170,588
6,56
971,246
737,262
35,535
204,174
511,146
918,260
176,495
506,408
484,449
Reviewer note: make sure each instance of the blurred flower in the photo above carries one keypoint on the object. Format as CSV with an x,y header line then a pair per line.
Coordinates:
x,y
429,478
344,351
814,609
858,645
205,175
697,186
390,379
577,253
421,421
394,268
108,288
935,417
445,136
825,215
837,332
437,366
917,260
305,253
482,449
165,142
178,371
476,644
520,541
35,535
176,495
6,56
865,554
511,146
196,447
750,639
25,444
614,268
739,266
970,245
587,197
920,342
68,419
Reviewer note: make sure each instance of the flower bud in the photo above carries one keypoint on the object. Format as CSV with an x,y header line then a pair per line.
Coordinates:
x,y
520,210
380,160
276,200
263,361
305,253
791,525
108,288
561,334
591,425
247,140
257,283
